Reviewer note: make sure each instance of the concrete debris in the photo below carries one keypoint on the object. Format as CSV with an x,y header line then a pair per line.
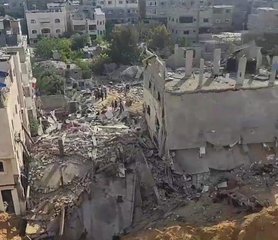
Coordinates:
x,y
95,174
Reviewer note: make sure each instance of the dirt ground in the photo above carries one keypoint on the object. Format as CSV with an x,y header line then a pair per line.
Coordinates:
x,y
258,226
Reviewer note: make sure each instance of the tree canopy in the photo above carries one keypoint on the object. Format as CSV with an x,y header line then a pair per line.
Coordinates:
x,y
124,45
80,41
49,82
159,38
46,46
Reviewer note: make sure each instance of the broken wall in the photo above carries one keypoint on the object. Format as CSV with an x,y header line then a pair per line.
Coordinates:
x,y
221,118
177,59
154,83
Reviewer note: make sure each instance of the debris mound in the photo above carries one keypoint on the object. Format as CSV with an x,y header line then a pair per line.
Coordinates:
x,y
262,225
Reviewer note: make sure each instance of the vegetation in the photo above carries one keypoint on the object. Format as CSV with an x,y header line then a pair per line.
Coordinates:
x,y
46,46
159,38
121,46
124,45
80,41
34,127
49,82
99,62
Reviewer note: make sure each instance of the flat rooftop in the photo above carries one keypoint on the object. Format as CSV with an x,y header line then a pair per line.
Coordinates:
x,y
178,83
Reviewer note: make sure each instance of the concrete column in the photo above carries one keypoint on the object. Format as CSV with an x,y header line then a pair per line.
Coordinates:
x,y
1,202
16,202
274,69
176,49
241,71
216,61
259,58
188,62
201,71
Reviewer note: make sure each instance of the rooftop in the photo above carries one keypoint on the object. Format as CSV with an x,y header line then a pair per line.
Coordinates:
x,y
178,83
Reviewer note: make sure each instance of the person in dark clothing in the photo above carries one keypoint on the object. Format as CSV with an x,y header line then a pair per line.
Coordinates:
x,y
101,94
105,92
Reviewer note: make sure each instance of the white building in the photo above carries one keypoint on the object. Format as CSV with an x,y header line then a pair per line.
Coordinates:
x,y
263,20
47,23
88,20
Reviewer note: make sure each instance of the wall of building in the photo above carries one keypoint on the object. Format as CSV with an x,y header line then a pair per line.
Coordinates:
x,y
264,20
177,59
153,98
222,18
221,118
38,21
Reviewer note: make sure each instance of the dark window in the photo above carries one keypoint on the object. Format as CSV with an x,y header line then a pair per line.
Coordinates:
x,y
15,107
158,97
205,20
186,32
57,20
46,30
2,167
228,10
148,110
34,31
186,19
92,27
150,85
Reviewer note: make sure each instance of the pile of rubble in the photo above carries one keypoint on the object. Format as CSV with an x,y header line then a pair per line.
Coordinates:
x,y
94,144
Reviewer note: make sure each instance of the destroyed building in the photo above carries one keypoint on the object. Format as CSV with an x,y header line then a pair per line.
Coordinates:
x,y
208,118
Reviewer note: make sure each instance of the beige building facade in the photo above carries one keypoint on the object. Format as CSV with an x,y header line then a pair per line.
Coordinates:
x,y
14,124
47,23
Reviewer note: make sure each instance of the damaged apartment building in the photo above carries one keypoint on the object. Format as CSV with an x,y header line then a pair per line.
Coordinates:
x,y
13,138
212,117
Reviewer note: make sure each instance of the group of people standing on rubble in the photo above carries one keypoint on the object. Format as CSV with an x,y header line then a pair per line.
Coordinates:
x,y
100,93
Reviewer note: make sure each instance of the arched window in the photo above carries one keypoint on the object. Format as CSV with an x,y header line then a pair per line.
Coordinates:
x,y
34,31
57,20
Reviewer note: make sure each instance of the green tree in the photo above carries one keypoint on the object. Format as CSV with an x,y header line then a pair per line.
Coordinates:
x,y
80,41
85,67
49,82
124,45
99,62
46,46
160,38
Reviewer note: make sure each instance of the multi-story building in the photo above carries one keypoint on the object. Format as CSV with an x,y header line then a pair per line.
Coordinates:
x,y
48,23
183,19
218,119
264,20
157,9
88,19
10,31
222,18
187,19
14,124
119,11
